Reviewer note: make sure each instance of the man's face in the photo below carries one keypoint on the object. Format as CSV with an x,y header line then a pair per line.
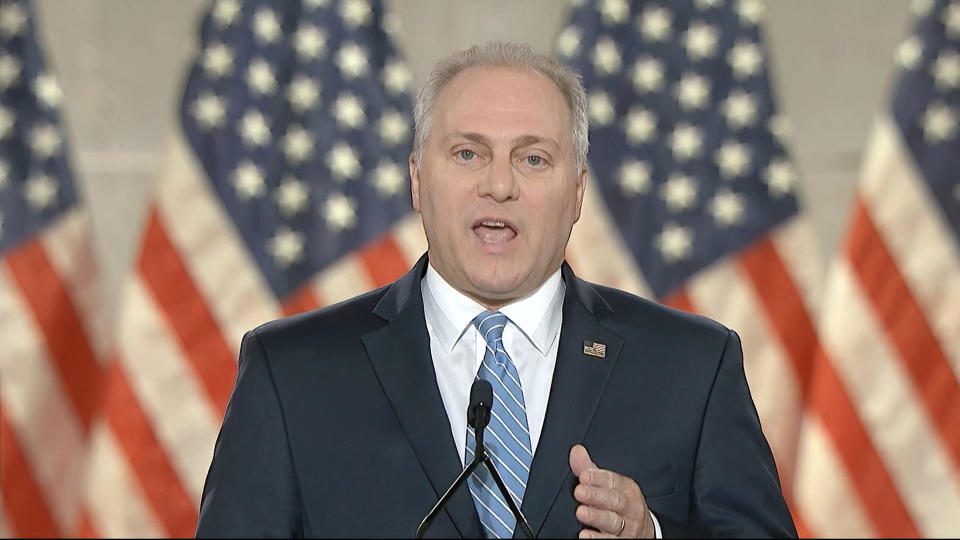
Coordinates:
x,y
498,188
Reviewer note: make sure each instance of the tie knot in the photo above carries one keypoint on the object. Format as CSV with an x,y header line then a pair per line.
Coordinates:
x,y
491,325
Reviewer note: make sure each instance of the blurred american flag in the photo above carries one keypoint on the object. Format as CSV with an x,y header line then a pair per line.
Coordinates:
x,y
51,327
890,325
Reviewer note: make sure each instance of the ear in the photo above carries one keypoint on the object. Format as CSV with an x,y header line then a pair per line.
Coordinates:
x,y
414,183
581,187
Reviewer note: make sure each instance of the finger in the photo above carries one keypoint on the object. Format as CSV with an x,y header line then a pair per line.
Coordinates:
x,y
601,498
580,460
601,520
605,479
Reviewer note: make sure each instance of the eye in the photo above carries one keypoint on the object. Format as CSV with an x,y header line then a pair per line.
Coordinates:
x,y
536,161
465,155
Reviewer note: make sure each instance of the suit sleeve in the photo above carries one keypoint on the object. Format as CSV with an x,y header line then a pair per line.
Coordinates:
x,y
251,490
736,488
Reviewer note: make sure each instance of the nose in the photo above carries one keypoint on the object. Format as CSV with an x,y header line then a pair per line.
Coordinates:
x,y
500,182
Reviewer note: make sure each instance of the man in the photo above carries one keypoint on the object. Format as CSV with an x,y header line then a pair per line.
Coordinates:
x,y
612,416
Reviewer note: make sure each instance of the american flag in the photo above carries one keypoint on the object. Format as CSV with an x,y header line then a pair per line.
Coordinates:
x,y
288,191
891,316
698,202
51,333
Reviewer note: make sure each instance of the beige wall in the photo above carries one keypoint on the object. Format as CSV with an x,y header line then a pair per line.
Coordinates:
x,y
122,65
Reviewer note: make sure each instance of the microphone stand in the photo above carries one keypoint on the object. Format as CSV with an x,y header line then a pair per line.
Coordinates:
x,y
479,456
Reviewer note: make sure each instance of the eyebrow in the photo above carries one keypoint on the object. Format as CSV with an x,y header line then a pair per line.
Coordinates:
x,y
522,140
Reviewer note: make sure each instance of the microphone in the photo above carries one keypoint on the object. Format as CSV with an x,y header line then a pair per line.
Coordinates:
x,y
478,416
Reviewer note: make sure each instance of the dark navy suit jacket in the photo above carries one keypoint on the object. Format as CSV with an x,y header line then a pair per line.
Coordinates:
x,y
336,426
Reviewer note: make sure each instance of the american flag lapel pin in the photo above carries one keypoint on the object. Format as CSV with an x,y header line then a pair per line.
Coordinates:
x,y
595,348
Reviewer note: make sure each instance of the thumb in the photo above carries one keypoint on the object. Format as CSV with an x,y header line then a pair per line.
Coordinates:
x,y
580,460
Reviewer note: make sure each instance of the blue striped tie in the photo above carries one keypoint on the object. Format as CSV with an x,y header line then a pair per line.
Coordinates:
x,y
507,438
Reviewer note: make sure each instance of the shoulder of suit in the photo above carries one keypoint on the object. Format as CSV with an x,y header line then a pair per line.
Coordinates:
x,y
352,316
628,309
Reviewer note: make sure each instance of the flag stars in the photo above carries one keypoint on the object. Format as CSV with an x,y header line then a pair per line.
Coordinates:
x,y
348,110
12,19
779,125
740,109
634,178
946,70
921,8
6,122
614,11
10,69
355,13
951,20
309,42
606,56
291,196
733,159
352,61
48,91
396,77
750,12
266,27
4,173
693,92
260,78
568,43
909,53
780,178
647,75
745,59
254,129
939,123
655,24
286,247
675,242
679,192
217,60
727,208
686,142
343,162
248,181
209,111
297,144
388,178
601,108
225,12
641,125
40,191
340,212
45,141
706,4
701,41
393,128
303,94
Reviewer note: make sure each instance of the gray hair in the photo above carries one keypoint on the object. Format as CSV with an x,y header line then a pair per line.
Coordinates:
x,y
509,55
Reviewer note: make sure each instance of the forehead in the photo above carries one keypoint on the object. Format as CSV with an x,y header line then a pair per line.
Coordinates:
x,y
502,98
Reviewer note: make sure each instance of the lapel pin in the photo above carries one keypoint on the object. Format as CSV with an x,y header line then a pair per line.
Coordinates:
x,y
594,348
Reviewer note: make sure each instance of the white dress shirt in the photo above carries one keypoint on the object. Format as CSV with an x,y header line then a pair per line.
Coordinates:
x,y
531,338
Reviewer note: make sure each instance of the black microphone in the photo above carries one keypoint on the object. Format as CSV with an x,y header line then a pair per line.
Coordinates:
x,y
478,416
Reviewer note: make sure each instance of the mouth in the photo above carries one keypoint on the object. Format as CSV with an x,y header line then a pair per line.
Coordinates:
x,y
494,230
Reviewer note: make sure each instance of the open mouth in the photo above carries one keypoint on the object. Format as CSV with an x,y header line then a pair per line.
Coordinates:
x,y
494,231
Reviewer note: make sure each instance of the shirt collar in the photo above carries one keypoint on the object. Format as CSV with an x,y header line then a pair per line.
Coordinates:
x,y
450,312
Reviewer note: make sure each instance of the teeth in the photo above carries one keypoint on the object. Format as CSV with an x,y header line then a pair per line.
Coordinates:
x,y
493,224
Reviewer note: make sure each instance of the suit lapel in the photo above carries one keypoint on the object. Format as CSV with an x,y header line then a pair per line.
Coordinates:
x,y
578,383
400,355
